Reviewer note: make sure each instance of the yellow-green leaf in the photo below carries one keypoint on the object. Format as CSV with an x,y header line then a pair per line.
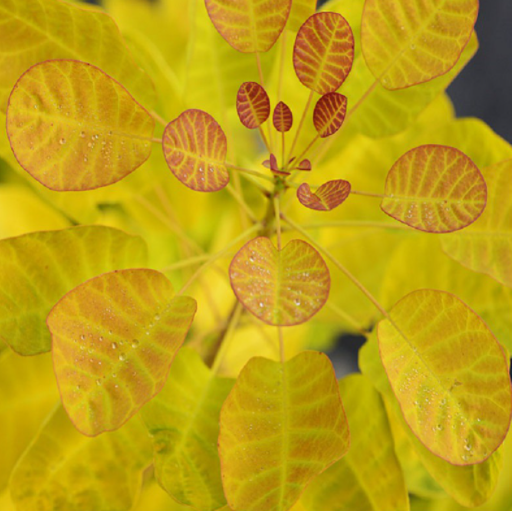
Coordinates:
x,y
249,26
369,477
486,246
39,268
184,422
449,375
27,394
285,287
435,189
65,470
300,12
281,426
73,127
406,43
113,341
33,31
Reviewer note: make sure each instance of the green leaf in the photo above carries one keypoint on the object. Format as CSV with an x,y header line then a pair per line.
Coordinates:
x,y
63,469
184,423
281,426
39,268
113,341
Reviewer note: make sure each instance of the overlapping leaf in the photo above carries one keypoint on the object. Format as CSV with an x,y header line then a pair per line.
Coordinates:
x,y
39,268
449,375
195,149
324,52
435,189
72,127
418,41
252,104
486,246
284,287
282,118
249,26
329,114
327,197
184,422
63,469
281,426
34,31
300,12
114,339
369,477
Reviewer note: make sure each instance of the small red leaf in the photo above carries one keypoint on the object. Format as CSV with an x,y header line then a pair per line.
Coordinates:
x,y
329,114
305,165
266,164
252,105
195,149
328,196
324,52
274,167
283,117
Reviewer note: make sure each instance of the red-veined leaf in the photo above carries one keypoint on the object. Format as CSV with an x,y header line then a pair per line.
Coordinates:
x,y
282,118
284,287
328,196
274,166
281,425
195,149
305,165
324,52
252,105
406,43
449,375
249,26
72,127
329,114
114,339
435,189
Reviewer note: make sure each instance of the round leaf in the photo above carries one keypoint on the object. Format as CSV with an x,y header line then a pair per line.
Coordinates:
x,y
281,425
328,196
435,189
114,339
329,114
324,52
72,127
283,118
449,375
418,42
252,105
249,26
195,149
284,287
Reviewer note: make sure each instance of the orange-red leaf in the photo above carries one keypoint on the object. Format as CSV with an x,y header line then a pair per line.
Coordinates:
x,y
305,165
329,114
435,189
72,127
324,52
284,287
252,105
328,196
195,149
249,26
408,42
114,339
281,425
283,117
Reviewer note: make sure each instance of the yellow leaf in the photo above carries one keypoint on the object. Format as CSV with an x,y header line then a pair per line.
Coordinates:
x,y
300,12
449,375
369,477
39,268
113,341
72,127
281,426
418,41
184,423
33,31
65,470
486,246
153,498
27,394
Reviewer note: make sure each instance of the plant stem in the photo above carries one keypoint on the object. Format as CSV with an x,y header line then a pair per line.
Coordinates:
x,y
262,83
281,344
226,337
156,140
348,318
368,194
185,263
357,223
251,172
278,221
281,66
306,151
158,118
243,204
299,129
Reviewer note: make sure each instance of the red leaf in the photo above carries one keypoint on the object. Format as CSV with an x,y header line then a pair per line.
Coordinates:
x,y
305,165
328,196
329,114
283,117
252,105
